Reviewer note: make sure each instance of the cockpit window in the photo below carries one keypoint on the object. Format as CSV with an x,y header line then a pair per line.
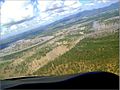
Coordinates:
x,y
58,37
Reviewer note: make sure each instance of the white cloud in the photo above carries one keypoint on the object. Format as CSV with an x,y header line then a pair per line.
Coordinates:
x,y
102,1
90,4
13,10
51,9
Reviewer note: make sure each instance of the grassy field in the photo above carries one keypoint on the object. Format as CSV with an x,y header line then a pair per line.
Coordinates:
x,y
17,65
90,54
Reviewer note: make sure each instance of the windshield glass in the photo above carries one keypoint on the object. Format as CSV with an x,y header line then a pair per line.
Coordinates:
x,y
58,37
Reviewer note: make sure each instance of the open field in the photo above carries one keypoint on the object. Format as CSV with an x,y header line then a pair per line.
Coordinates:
x,y
90,54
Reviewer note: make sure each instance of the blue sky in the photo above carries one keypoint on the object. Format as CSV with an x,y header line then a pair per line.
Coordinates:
x,y
49,10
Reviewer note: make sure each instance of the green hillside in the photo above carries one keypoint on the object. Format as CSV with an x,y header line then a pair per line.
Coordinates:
x,y
90,54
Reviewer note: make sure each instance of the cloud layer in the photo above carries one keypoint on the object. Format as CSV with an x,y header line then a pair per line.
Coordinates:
x,y
14,10
48,10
